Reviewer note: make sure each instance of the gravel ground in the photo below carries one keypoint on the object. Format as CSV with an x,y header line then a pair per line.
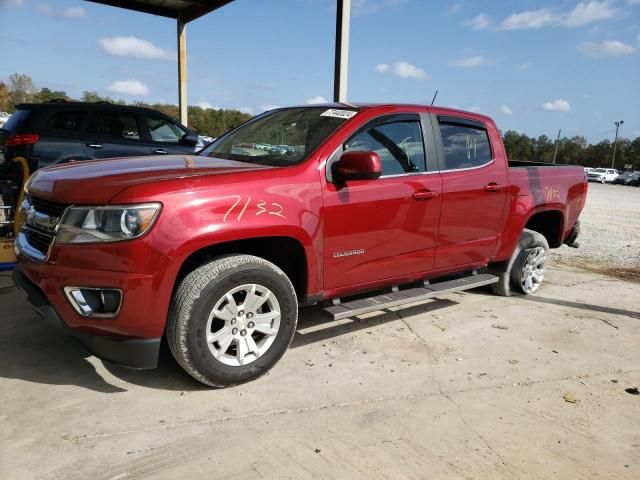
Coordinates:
x,y
610,232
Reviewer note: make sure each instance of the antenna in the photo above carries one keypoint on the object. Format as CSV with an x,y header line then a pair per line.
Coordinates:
x,y
434,97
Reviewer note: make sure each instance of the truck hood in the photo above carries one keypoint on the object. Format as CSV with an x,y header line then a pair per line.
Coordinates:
x,y
97,182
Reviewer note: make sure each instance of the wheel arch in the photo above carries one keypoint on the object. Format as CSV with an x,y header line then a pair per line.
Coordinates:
x,y
288,253
549,223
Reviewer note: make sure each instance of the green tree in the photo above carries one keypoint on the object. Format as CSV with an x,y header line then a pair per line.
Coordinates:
x,y
46,95
22,88
6,104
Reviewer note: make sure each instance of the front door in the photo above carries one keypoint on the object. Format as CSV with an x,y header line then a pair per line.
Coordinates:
x,y
474,191
112,133
386,228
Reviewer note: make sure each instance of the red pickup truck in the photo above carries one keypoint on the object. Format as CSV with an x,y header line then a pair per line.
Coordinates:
x,y
303,205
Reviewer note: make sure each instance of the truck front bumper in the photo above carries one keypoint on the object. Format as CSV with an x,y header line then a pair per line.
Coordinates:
x,y
138,353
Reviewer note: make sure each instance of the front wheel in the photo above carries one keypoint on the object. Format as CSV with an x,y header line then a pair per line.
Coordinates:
x,y
232,319
603,180
524,271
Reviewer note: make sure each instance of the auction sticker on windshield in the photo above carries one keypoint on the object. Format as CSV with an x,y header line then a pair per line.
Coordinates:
x,y
332,112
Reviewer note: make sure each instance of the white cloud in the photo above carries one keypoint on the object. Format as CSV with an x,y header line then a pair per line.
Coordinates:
x,y
402,70
584,13
207,105
247,110
524,67
530,19
506,110
608,48
474,109
589,12
266,108
316,99
559,105
479,22
468,62
132,88
134,47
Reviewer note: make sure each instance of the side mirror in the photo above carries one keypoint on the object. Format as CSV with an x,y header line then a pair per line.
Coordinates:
x,y
190,139
357,166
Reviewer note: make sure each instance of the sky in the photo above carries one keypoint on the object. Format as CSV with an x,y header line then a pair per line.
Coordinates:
x,y
534,66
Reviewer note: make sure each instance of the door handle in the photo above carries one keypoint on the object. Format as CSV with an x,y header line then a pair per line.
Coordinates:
x,y
492,187
94,145
424,195
160,151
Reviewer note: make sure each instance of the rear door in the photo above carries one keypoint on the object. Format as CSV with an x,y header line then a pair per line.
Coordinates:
x,y
165,136
386,228
61,138
475,189
113,133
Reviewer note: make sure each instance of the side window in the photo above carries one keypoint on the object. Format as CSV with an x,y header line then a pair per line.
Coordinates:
x,y
162,130
120,125
396,139
66,120
465,146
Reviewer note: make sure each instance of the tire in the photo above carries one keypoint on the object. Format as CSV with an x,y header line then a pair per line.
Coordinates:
x,y
603,180
512,273
210,335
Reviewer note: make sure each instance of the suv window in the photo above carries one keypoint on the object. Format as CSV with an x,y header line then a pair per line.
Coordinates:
x,y
396,139
114,124
464,145
67,120
162,130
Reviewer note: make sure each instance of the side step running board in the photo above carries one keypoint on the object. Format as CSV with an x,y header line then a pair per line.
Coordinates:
x,y
411,295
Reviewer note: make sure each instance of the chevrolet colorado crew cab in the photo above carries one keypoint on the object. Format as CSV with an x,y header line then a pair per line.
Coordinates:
x,y
354,207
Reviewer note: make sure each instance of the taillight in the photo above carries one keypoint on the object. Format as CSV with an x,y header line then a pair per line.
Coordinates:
x,y
24,139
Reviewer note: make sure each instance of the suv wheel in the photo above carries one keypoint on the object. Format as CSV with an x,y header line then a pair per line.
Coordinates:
x,y
232,319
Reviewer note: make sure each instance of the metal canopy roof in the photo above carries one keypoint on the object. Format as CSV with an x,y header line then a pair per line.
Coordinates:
x,y
186,10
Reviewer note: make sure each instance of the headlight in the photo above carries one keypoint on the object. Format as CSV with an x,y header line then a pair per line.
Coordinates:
x,y
106,224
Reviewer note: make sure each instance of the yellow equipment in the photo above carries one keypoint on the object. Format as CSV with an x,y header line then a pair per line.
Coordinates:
x,y
9,216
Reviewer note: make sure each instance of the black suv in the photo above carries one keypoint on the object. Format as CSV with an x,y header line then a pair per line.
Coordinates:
x,y
60,131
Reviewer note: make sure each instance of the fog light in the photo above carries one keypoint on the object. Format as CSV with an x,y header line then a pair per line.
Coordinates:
x,y
95,302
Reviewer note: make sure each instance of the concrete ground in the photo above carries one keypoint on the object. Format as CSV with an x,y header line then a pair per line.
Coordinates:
x,y
467,386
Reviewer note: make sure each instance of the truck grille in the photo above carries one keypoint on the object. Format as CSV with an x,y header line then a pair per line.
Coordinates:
x,y
39,240
47,207
39,229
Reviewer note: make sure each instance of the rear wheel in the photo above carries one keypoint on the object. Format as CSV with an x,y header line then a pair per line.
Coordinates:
x,y
232,319
524,271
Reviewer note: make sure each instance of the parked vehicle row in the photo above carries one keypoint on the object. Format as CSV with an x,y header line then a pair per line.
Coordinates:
x,y
610,175
59,131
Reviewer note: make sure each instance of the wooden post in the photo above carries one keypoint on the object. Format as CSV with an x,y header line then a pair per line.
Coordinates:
x,y
182,70
341,71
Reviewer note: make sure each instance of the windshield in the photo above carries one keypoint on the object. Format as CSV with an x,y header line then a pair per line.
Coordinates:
x,y
599,170
279,138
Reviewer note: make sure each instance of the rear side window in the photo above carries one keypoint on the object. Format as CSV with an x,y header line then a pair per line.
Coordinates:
x,y
69,120
162,130
465,145
121,125
16,120
398,142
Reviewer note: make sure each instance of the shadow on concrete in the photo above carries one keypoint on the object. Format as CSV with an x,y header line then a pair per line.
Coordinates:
x,y
34,351
582,306
314,318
